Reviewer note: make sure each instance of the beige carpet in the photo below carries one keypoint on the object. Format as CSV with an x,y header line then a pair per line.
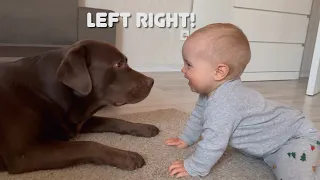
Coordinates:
x,y
158,156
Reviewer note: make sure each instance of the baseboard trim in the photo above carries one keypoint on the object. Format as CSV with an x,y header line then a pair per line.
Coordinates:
x,y
8,50
157,68
304,74
269,76
247,76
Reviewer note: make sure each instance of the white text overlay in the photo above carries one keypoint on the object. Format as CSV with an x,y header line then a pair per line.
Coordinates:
x,y
145,20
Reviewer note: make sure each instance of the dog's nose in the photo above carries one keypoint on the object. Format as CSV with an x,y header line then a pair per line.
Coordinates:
x,y
150,81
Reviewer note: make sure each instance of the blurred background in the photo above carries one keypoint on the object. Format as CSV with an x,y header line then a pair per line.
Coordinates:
x,y
282,33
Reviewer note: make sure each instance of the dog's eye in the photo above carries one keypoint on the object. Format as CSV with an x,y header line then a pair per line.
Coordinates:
x,y
119,64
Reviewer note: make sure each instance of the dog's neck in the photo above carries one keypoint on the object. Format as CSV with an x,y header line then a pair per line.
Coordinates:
x,y
83,107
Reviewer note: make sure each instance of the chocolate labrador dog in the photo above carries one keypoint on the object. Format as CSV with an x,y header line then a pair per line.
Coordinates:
x,y
48,99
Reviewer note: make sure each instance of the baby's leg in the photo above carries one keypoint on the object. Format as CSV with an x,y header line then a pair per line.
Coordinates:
x,y
296,160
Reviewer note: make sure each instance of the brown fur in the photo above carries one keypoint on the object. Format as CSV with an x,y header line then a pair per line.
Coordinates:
x,y
47,99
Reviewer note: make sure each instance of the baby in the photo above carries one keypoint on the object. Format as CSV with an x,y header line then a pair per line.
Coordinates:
x,y
229,113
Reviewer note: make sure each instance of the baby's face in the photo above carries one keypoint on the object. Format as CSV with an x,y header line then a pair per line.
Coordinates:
x,y
197,68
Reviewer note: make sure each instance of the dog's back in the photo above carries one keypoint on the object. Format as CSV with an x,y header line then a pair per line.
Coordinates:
x,y
24,105
19,107
17,120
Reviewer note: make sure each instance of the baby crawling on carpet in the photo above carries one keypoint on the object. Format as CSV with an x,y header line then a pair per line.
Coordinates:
x,y
229,113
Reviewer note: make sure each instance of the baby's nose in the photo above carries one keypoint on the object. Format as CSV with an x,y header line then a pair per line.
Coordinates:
x,y
183,70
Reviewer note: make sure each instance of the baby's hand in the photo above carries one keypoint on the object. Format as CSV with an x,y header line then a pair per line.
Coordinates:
x,y
177,168
176,142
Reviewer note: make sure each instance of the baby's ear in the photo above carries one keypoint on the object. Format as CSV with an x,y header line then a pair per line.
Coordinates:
x,y
221,71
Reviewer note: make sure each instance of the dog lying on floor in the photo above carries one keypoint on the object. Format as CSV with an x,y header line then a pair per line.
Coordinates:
x,y
48,99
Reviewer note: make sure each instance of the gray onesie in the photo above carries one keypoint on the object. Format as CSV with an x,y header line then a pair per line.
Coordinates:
x,y
241,117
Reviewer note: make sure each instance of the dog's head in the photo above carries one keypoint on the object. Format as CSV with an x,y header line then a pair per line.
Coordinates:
x,y
99,70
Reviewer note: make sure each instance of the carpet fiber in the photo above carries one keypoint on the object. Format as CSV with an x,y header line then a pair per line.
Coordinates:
x,y
158,156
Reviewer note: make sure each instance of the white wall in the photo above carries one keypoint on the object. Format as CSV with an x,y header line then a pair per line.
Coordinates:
x,y
313,87
311,39
147,48
276,30
212,11
286,6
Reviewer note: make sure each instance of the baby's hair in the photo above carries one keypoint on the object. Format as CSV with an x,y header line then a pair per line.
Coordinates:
x,y
228,44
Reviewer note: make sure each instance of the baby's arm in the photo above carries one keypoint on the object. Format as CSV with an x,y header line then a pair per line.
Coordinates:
x,y
218,129
193,129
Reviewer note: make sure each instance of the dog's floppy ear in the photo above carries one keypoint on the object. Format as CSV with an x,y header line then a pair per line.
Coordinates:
x,y
73,70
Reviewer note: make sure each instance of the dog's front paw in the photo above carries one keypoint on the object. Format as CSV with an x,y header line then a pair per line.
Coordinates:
x,y
133,161
145,130
149,130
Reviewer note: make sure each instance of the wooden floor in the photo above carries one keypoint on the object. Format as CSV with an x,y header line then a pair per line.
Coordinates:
x,y
171,90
